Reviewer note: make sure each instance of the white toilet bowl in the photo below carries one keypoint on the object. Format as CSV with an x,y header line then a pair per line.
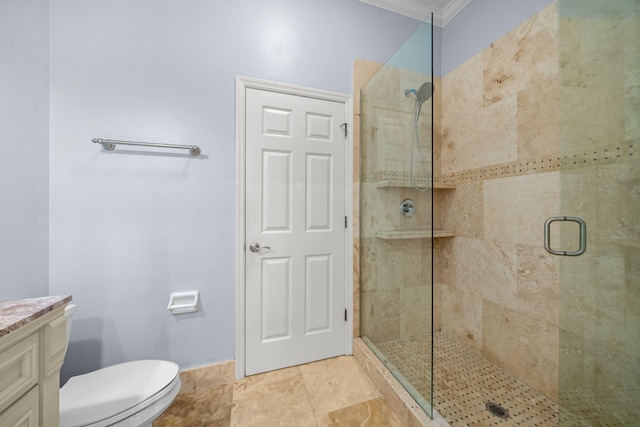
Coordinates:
x,y
130,394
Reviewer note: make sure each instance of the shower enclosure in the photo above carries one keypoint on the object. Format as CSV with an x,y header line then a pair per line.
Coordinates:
x,y
396,212
458,296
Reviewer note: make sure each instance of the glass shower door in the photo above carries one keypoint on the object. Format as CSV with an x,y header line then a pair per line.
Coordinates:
x,y
599,160
396,214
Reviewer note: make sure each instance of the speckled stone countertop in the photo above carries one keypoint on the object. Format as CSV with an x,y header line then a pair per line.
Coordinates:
x,y
15,314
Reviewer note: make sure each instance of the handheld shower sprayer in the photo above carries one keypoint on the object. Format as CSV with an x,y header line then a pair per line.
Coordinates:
x,y
424,92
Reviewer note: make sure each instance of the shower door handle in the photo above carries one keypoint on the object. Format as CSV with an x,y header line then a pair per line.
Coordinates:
x,y
583,235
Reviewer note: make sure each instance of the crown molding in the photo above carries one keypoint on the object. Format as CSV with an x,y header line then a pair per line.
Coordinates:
x,y
420,9
452,9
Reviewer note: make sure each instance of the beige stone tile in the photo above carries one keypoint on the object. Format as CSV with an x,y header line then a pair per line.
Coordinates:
x,y
273,398
396,396
326,388
261,385
522,56
363,71
632,303
462,317
539,128
204,399
415,319
520,217
207,377
284,407
390,266
475,135
593,289
590,118
618,221
526,347
578,302
372,211
371,413
356,312
593,374
489,270
538,284
499,132
203,407
463,210
592,82
577,197
377,328
444,263
384,86
462,115
368,259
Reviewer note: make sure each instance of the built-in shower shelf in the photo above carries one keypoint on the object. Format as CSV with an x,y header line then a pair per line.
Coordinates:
x,y
404,184
413,234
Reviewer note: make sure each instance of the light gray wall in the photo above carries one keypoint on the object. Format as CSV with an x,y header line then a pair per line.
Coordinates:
x,y
128,228
24,159
481,23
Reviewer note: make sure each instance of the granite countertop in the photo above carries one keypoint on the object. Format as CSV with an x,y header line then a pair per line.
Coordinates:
x,y
15,314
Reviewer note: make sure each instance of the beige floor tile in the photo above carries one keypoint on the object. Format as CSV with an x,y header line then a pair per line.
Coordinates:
x,y
260,385
279,403
201,408
337,383
371,413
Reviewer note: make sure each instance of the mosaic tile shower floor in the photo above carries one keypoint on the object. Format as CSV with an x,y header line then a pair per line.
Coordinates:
x,y
464,383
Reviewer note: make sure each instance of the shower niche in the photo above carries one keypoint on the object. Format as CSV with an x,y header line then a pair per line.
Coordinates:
x,y
421,228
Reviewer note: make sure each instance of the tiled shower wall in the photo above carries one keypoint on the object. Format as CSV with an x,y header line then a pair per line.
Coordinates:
x,y
496,287
395,293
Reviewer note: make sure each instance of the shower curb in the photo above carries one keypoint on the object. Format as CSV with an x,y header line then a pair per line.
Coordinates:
x,y
398,398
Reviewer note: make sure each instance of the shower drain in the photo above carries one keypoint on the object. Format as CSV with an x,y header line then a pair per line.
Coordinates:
x,y
497,410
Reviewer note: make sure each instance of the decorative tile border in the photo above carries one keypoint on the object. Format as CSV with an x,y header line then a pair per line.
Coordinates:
x,y
617,153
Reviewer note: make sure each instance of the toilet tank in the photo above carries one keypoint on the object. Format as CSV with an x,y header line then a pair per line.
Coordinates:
x,y
69,311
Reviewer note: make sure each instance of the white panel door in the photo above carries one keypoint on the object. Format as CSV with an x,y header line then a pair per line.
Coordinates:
x,y
295,212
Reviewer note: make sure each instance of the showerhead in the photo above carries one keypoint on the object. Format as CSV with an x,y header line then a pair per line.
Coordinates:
x,y
425,92
422,94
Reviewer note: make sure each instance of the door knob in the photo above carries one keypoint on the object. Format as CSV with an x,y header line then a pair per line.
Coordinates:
x,y
255,247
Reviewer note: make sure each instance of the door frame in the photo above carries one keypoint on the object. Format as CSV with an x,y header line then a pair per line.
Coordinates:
x,y
242,84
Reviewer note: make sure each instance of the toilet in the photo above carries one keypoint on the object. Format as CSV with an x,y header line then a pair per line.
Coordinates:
x,y
130,394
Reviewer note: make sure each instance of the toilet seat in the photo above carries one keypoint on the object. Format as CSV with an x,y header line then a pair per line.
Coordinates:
x,y
127,394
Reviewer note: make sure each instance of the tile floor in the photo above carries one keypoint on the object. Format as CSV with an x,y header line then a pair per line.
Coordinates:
x,y
464,382
337,392
332,392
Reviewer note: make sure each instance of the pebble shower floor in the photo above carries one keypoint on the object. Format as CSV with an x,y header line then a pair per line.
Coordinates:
x,y
464,383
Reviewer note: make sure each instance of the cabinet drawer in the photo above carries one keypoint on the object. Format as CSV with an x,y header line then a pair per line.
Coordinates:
x,y
18,370
23,413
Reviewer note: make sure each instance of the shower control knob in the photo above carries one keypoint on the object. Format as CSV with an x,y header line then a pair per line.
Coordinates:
x,y
255,247
408,208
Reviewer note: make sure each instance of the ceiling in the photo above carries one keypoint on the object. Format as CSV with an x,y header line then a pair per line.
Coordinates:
x,y
443,10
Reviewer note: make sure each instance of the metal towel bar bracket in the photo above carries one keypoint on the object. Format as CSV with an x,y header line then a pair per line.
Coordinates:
x,y
110,145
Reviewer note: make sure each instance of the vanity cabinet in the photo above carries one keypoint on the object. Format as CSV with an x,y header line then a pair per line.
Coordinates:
x,y
32,350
